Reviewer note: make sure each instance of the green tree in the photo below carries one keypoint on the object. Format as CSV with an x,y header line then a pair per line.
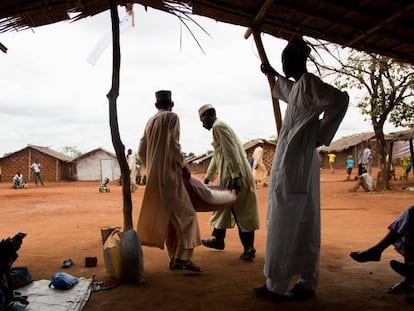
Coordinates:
x,y
387,88
273,139
187,155
71,151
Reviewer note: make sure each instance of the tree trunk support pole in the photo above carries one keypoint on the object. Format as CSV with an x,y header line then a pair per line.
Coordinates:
x,y
263,57
412,154
113,118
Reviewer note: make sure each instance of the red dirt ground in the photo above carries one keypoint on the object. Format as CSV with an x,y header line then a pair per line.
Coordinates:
x,y
63,220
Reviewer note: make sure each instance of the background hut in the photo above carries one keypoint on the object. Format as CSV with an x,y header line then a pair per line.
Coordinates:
x,y
55,166
400,144
348,145
97,164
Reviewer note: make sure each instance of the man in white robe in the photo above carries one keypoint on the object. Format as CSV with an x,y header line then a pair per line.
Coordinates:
x,y
293,218
229,161
167,214
367,158
259,169
132,164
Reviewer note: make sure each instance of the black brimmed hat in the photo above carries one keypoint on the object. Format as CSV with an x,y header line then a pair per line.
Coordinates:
x,y
163,97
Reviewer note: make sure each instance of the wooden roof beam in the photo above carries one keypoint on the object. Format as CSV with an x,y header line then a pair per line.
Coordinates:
x,y
380,25
257,20
357,28
3,48
263,57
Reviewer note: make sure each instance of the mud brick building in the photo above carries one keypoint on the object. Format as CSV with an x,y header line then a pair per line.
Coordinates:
x,y
55,166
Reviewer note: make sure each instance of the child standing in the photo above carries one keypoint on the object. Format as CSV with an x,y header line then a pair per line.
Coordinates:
x,y
349,167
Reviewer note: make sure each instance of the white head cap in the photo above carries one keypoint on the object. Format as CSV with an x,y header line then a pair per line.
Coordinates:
x,y
204,108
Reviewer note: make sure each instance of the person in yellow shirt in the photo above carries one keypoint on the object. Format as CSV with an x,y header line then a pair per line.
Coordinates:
x,y
332,157
406,167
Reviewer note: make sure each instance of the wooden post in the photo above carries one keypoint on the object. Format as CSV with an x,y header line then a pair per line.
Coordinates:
x,y
270,79
412,154
113,119
258,18
259,44
388,167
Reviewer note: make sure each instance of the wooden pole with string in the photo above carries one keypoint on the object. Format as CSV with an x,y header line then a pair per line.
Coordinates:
x,y
263,57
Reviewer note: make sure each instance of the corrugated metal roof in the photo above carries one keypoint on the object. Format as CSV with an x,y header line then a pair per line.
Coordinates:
x,y
87,154
45,150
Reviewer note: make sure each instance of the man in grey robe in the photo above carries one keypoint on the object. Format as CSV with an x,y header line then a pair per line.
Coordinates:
x,y
293,215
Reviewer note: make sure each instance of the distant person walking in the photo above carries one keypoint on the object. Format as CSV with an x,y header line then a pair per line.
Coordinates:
x,y
332,158
367,158
132,164
36,171
349,167
406,167
259,169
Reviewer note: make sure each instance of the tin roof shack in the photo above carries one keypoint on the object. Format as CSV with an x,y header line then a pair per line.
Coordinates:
x,y
200,163
400,144
97,164
54,166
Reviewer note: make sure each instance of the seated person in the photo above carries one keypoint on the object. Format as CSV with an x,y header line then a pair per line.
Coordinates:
x,y
401,235
18,181
365,181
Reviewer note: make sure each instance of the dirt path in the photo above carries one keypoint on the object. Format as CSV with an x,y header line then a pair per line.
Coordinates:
x,y
63,220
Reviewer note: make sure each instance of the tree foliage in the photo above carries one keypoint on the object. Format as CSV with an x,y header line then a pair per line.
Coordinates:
x,y
273,139
71,151
386,89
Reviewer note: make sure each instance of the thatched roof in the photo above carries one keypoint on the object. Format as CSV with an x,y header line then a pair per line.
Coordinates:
x,y
402,135
254,142
347,142
380,26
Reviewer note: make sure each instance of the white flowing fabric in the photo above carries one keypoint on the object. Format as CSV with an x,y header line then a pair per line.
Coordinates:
x,y
259,169
124,24
293,219
132,164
